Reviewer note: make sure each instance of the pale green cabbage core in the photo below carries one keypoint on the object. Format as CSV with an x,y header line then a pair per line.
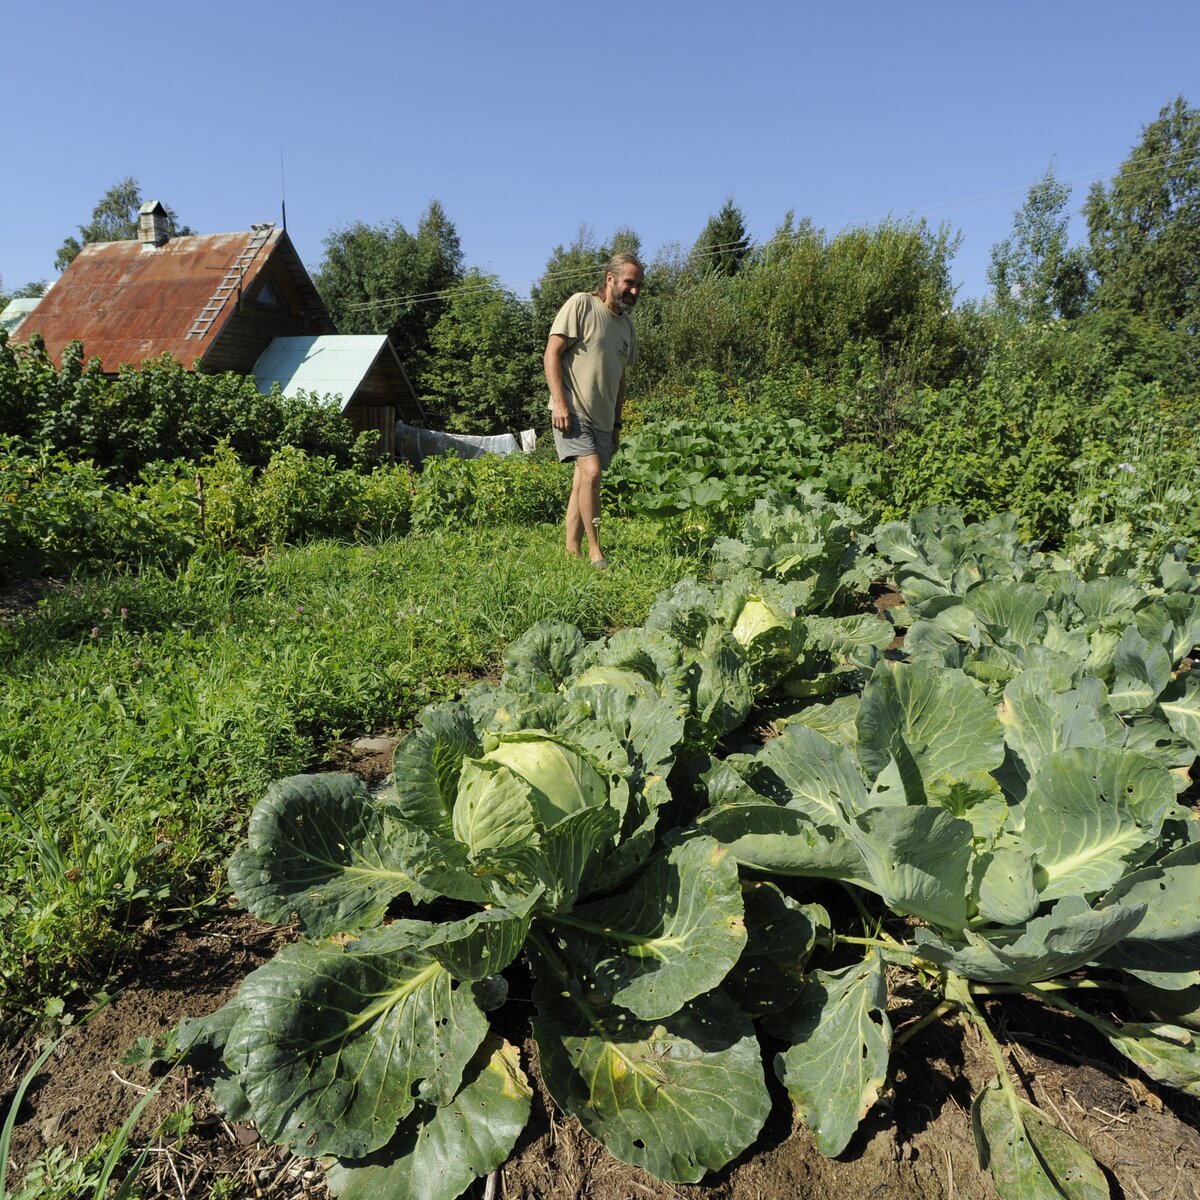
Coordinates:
x,y
757,617
561,781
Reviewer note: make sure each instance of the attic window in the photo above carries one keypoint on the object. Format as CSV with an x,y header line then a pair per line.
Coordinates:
x,y
269,297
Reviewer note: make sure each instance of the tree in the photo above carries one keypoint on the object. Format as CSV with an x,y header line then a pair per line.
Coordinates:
x,y
384,279
114,219
723,243
1144,230
484,368
35,287
1034,273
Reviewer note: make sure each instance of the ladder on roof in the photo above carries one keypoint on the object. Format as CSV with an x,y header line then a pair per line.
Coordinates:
x,y
232,280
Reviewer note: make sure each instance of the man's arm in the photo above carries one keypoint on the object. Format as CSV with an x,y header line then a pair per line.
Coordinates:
x,y
616,437
560,415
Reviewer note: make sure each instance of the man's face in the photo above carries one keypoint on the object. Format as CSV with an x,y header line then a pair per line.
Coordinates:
x,y
624,288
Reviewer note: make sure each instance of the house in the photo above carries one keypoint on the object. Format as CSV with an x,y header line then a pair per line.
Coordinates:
x,y
214,303
363,369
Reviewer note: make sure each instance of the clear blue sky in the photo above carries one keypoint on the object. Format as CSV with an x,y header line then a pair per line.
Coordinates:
x,y
529,120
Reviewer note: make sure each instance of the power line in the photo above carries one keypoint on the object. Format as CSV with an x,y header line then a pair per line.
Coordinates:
x,y
565,273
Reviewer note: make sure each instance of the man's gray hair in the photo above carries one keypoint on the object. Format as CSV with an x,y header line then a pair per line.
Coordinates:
x,y
623,258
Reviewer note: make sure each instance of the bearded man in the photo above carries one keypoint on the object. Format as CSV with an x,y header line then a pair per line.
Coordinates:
x,y
591,344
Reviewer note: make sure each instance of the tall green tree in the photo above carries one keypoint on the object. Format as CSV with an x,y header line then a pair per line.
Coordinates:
x,y
1144,229
484,367
384,279
723,244
114,219
1035,273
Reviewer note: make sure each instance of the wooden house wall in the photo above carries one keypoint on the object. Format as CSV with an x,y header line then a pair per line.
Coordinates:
x,y
375,416
250,327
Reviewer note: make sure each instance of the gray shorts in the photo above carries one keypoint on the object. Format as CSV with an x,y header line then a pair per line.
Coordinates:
x,y
583,439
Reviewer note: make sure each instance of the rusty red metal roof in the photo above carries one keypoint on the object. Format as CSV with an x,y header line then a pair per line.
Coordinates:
x,y
127,302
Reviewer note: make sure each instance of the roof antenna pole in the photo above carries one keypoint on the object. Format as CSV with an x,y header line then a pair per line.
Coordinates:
x,y
282,192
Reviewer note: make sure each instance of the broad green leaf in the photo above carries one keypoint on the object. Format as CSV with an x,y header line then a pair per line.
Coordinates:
x,y
1153,737
677,1097
935,721
919,860
1173,622
1028,1157
620,678
925,598
202,1042
543,657
857,637
439,1151
649,730
1179,1006
770,837
1004,887
672,936
1140,672
816,776
780,936
482,944
1164,949
841,1039
654,655
321,848
334,1045
930,644
1169,1054
1068,936
427,764
1039,719
837,720
1091,814
555,865
1109,601
1011,612
1180,704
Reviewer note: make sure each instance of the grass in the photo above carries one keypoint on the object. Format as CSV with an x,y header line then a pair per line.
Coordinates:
x,y
141,715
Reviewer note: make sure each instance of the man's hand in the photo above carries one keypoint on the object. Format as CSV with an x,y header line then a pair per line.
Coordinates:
x,y
560,415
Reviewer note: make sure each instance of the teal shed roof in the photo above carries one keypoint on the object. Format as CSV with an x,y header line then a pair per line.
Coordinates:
x,y
334,365
16,312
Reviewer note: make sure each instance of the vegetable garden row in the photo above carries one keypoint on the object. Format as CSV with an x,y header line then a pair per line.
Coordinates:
x,y
731,828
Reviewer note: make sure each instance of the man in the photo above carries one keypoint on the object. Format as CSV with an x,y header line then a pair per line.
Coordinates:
x,y
590,345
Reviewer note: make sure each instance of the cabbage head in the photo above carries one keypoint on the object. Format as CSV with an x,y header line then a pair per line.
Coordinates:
x,y
560,780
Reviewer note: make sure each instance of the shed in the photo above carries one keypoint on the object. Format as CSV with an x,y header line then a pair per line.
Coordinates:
x,y
362,369
16,312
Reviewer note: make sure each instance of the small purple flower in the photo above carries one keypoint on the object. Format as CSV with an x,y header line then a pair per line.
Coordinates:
x,y
124,614
107,612
299,609
95,631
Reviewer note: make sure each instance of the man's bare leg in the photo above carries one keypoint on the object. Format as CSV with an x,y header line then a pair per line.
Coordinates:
x,y
583,509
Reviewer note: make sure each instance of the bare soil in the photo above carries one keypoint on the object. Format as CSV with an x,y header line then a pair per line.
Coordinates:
x,y
916,1143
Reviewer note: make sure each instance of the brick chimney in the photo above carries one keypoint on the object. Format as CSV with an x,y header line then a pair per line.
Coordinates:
x,y
153,226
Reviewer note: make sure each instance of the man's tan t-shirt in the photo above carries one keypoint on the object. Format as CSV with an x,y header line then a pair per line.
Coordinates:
x,y
600,346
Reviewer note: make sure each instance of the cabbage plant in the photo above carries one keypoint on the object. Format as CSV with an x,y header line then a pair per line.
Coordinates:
x,y
1072,873
518,841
